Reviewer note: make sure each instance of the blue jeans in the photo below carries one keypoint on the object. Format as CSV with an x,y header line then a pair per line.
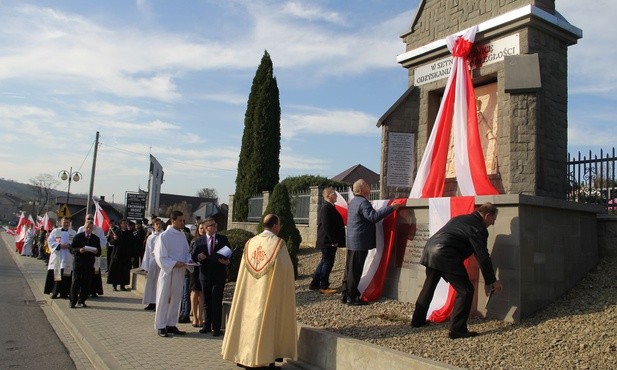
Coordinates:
x,y
321,276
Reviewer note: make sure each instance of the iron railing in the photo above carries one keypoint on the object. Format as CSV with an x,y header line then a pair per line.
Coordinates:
x,y
592,179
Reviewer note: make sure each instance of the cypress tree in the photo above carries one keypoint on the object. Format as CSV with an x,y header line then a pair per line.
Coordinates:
x,y
258,165
279,204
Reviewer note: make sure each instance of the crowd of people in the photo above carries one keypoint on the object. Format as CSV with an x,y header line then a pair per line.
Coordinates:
x,y
187,271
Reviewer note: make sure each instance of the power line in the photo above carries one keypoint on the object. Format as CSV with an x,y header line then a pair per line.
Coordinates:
x,y
171,160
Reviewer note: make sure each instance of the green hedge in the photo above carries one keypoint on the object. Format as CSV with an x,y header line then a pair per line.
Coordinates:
x,y
237,240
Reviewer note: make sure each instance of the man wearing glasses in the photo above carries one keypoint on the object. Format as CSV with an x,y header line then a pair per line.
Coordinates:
x,y
212,274
96,283
171,253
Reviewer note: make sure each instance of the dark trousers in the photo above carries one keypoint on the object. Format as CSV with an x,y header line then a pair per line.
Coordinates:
x,y
212,291
462,303
80,287
110,251
321,276
353,272
185,303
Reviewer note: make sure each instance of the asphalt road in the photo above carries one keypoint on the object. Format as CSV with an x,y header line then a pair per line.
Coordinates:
x,y
28,340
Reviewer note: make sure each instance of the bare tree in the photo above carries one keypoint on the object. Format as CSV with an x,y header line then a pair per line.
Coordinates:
x,y
43,184
207,193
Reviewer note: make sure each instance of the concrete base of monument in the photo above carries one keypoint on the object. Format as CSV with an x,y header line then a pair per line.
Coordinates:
x,y
321,349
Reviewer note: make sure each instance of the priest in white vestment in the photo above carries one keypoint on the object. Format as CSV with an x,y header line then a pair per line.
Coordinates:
x,y
171,253
262,319
60,265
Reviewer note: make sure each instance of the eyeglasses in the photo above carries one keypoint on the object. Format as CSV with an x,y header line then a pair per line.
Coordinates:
x,y
89,218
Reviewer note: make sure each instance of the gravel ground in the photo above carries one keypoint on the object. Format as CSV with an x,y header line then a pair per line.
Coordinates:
x,y
579,331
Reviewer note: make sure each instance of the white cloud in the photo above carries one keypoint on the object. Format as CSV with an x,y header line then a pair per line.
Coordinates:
x,y
312,13
328,122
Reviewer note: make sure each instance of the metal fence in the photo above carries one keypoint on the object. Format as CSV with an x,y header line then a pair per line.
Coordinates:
x,y
592,179
300,206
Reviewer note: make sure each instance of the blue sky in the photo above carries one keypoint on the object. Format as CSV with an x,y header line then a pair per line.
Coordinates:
x,y
172,78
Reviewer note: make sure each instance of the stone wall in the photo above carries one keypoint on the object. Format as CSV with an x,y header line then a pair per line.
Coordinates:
x,y
532,135
540,248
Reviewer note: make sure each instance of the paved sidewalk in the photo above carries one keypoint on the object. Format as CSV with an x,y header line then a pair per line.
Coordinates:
x,y
115,332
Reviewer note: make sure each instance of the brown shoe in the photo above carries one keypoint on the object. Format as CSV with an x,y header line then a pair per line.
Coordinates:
x,y
327,291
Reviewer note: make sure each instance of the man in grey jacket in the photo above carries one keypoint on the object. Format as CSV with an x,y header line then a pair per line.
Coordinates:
x,y
361,220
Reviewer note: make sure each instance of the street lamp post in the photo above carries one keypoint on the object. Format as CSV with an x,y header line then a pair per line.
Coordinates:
x,y
70,176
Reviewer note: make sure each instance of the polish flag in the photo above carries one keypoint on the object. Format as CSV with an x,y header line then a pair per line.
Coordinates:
x,y
39,222
440,211
377,261
457,112
20,233
100,217
341,206
9,231
46,223
31,221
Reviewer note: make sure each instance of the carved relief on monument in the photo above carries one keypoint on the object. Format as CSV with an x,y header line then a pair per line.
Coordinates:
x,y
486,110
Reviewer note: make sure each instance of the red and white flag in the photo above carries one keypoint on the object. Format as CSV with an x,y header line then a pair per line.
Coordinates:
x,y
440,211
341,206
457,112
46,223
100,217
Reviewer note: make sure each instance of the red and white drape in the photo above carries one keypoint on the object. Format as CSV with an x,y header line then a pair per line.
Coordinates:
x,y
457,112
440,211
377,261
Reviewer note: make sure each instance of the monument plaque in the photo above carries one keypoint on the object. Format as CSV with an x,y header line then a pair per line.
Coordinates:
x,y
413,252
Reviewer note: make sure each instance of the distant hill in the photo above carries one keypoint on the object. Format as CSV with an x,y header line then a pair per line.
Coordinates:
x,y
21,190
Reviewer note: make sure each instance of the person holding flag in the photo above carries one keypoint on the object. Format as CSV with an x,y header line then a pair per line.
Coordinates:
x,y
361,237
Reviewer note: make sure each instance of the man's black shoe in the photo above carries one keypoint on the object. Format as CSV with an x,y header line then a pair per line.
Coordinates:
x,y
175,330
162,333
94,295
205,330
313,287
419,325
72,305
64,296
150,307
216,333
122,288
184,320
54,296
465,334
356,302
344,299
83,304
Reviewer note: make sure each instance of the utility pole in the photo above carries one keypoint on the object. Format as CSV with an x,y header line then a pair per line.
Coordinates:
x,y
90,193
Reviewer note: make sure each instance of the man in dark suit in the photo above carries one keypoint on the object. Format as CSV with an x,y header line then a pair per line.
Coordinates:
x,y
361,237
330,235
85,246
212,274
443,256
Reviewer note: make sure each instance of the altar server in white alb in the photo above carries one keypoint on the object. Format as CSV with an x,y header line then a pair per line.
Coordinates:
x,y
171,252
60,265
149,265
